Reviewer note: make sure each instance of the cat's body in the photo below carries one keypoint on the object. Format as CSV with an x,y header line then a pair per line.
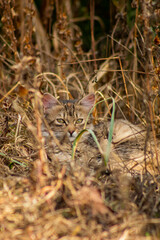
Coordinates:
x,y
67,118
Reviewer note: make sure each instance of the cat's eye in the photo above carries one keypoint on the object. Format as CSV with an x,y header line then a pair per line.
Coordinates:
x,y
60,120
80,120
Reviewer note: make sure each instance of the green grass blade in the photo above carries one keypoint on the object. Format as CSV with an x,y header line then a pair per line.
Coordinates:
x,y
106,156
78,138
92,111
95,106
12,160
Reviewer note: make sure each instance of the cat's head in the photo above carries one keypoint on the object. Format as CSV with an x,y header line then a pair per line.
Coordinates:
x,y
67,118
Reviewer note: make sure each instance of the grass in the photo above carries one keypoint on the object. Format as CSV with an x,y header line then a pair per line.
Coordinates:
x,y
75,143
12,160
105,155
44,199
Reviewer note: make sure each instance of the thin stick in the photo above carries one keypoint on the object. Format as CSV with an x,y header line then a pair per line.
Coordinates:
x,y
92,31
55,75
74,56
135,57
124,80
8,93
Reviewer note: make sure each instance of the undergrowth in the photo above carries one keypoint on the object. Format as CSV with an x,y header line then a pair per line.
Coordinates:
x,y
44,53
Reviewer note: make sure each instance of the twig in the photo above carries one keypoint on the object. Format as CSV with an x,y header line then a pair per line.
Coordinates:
x,y
8,93
92,31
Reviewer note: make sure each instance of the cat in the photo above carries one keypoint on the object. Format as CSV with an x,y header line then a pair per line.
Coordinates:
x,y
66,119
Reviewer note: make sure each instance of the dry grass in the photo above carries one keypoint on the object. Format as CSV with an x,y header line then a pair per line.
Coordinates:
x,y
42,200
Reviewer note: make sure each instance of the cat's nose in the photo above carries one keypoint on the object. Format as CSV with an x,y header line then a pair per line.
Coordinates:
x,y
71,132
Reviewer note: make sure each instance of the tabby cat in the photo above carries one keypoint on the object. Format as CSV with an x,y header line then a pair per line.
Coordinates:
x,y
65,119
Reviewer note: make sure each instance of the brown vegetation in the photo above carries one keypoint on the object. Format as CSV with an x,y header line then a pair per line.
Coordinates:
x,y
43,51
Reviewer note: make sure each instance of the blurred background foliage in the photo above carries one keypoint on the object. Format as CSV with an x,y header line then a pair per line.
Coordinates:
x,y
111,46
106,14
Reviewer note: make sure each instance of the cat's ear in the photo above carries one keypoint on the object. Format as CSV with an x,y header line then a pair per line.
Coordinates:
x,y
88,101
49,101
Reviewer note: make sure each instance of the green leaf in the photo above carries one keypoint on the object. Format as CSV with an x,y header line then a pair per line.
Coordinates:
x,y
92,111
78,138
12,160
106,156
